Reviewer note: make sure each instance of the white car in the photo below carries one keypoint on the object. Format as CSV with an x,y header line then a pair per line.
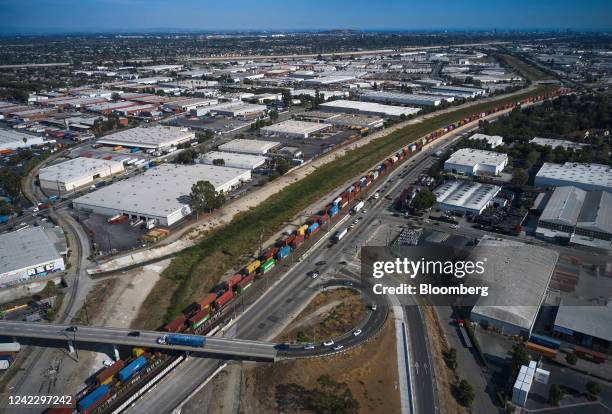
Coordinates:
x,y
364,211
314,275
35,210
455,226
357,332
338,347
309,347
328,343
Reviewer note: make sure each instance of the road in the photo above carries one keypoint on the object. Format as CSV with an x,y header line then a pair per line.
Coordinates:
x,y
145,339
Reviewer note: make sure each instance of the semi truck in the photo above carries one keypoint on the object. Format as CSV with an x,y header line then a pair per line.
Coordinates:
x,y
180,339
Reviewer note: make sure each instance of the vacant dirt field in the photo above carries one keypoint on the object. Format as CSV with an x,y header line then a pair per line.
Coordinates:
x,y
368,371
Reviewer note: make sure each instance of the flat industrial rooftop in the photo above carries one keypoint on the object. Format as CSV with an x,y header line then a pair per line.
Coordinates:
x,y
153,137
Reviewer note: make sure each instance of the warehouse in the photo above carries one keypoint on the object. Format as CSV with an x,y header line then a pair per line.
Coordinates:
x,y
587,326
402,98
295,129
185,105
249,146
579,216
160,194
459,91
233,109
592,177
233,160
75,174
12,140
554,143
368,108
327,95
492,140
158,137
523,273
469,161
465,196
27,254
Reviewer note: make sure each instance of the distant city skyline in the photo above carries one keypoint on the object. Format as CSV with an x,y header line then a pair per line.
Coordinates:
x,y
69,16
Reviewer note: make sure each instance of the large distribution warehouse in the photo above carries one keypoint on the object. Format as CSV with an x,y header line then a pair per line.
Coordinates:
x,y
75,174
26,254
233,159
295,129
465,196
249,146
12,140
157,137
586,176
160,194
368,108
403,98
472,161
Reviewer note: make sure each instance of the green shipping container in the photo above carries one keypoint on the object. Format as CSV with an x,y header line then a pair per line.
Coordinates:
x,y
242,289
268,264
200,322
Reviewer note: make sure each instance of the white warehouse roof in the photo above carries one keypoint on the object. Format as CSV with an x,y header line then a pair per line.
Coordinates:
x,y
369,108
79,169
465,195
153,137
585,176
249,146
12,140
473,158
234,159
492,140
292,127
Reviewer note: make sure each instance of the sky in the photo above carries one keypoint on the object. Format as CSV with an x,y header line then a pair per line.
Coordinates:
x,y
57,16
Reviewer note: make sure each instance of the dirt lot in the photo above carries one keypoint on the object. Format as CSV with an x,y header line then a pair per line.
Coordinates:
x,y
329,315
369,372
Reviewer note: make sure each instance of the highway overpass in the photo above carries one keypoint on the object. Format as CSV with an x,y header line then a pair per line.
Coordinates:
x,y
229,347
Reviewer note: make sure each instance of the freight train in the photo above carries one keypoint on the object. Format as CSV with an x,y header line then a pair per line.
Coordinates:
x,y
195,317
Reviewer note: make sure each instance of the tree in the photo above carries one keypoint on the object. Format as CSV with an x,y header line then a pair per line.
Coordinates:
x,y
519,356
466,393
520,177
571,359
593,389
282,166
203,197
115,97
219,161
186,157
273,115
554,394
424,199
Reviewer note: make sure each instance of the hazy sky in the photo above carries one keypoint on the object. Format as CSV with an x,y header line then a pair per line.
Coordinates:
x,y
127,15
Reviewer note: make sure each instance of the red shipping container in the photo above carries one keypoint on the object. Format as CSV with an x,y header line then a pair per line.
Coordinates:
x,y
234,280
324,218
288,240
176,324
297,241
223,299
110,371
245,281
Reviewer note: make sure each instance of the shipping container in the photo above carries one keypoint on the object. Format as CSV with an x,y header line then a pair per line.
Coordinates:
x,y
93,398
177,324
337,200
313,228
302,229
10,347
253,266
136,352
358,206
107,374
245,283
199,318
288,240
206,301
283,252
132,368
548,352
184,340
223,299
333,210
545,341
233,281
340,234
267,265
324,218
299,239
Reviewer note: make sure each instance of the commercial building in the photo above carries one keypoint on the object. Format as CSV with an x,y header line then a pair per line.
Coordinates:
x,y
472,161
342,120
492,140
233,159
554,143
158,137
402,98
12,140
27,254
522,272
184,105
249,146
465,196
368,108
578,216
233,109
295,129
587,326
75,174
459,91
585,176
160,194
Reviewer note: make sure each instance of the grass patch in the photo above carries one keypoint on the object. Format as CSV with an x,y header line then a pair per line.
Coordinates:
x,y
195,270
527,70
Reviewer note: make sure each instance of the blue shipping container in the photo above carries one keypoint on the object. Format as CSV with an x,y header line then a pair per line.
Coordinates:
x,y
283,252
187,340
4,219
545,341
93,397
135,150
312,227
333,210
132,368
